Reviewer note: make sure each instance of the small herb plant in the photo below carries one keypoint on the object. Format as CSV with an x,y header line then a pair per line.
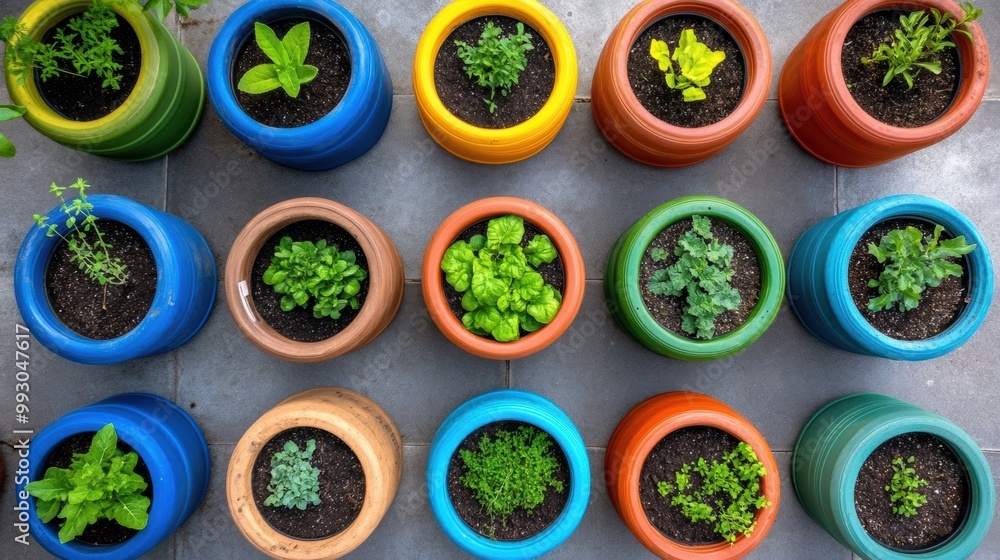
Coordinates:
x,y
496,62
918,41
288,56
294,481
301,270
726,494
911,266
695,62
511,471
8,112
99,484
501,289
902,488
702,274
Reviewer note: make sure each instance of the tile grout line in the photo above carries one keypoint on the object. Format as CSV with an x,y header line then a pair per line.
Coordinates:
x,y
507,373
836,189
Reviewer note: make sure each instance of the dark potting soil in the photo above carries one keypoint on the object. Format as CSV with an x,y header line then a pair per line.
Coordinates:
x,y
83,98
939,307
649,84
104,532
895,104
669,310
947,493
522,524
299,324
553,273
103,312
327,52
341,486
463,97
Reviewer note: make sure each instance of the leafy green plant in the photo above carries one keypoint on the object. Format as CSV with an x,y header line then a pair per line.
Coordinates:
x,y
511,471
502,291
695,61
288,56
99,484
9,112
725,493
301,270
294,481
902,488
496,62
917,43
912,266
702,273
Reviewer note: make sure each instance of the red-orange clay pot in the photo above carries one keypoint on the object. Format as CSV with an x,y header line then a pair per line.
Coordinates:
x,y
432,281
823,117
633,130
641,429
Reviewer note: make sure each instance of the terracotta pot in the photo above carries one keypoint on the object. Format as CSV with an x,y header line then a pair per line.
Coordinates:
x,y
823,117
633,130
641,429
385,279
353,418
432,282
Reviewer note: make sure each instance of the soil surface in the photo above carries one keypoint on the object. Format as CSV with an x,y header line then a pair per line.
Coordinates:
x,y
299,323
83,98
327,52
939,307
103,312
522,524
341,486
947,493
463,97
649,84
669,310
895,104
104,532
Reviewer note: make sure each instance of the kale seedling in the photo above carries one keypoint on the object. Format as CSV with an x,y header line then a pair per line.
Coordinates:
x,y
99,484
294,481
902,488
301,270
725,493
288,56
912,266
502,291
695,60
9,112
496,62
703,273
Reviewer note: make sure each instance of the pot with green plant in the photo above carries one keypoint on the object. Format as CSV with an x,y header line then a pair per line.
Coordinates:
x,y
104,77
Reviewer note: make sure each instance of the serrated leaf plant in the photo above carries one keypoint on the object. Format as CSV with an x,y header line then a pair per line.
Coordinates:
x,y
99,484
294,481
9,112
303,271
701,275
911,266
502,292
723,493
288,69
903,487
695,62
496,62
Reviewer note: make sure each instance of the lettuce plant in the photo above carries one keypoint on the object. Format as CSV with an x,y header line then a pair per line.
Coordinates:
x,y
502,292
294,481
301,270
288,56
496,62
694,60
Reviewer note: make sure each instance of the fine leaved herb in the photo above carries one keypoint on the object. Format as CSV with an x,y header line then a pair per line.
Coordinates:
x,y
702,274
502,290
288,69
903,487
695,62
496,62
8,112
294,481
723,493
301,270
99,484
911,266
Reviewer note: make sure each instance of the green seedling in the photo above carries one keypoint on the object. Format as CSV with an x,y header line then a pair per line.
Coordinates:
x,y
903,487
496,62
695,62
303,270
288,69
294,481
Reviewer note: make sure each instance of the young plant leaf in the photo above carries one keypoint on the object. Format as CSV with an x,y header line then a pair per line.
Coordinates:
x,y
287,69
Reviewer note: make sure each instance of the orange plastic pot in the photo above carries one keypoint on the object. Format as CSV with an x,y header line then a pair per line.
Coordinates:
x,y
641,429
633,130
432,282
823,117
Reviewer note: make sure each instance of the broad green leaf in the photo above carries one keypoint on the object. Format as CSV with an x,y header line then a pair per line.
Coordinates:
x,y
270,45
540,250
47,510
487,289
508,329
504,230
8,112
306,73
104,444
296,43
544,307
457,265
659,284
289,79
55,485
259,79
133,512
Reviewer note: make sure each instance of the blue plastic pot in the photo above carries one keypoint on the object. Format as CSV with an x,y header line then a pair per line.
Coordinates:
x,y
498,406
820,296
167,440
348,131
185,286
